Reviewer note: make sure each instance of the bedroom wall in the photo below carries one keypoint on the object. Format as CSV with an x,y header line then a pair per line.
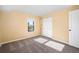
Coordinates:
x,y
14,26
0,28
61,24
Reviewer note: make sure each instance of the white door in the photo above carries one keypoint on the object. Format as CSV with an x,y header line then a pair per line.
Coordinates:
x,y
47,27
74,28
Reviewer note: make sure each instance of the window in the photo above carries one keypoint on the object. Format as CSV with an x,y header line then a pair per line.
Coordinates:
x,y
30,23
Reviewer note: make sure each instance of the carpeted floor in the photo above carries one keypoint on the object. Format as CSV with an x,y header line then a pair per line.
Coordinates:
x,y
37,45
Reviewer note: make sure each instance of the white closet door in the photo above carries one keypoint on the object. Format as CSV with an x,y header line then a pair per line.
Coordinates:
x,y
74,28
47,27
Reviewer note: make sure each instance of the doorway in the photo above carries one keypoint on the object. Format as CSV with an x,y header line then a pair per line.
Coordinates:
x,y
47,27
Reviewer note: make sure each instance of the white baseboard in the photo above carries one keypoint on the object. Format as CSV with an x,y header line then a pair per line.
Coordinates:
x,y
60,40
15,40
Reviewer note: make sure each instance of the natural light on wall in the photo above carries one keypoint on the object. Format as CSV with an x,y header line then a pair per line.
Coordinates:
x,y
30,23
51,44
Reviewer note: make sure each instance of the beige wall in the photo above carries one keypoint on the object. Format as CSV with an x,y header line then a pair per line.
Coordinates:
x,y
0,26
0,30
61,24
14,25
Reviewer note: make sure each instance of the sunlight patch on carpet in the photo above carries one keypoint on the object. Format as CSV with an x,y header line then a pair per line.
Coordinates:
x,y
55,45
40,40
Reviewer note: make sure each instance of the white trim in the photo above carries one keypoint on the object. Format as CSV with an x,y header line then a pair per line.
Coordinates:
x,y
64,42
60,40
15,40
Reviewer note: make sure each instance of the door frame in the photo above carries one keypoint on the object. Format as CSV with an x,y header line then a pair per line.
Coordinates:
x,y
70,28
51,27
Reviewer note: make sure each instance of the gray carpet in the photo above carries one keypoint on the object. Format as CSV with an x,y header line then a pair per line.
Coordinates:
x,y
32,46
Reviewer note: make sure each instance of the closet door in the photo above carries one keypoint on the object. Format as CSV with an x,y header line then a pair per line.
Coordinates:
x,y
74,28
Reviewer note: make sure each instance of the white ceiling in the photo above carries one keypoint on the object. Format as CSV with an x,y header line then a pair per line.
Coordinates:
x,y
37,10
